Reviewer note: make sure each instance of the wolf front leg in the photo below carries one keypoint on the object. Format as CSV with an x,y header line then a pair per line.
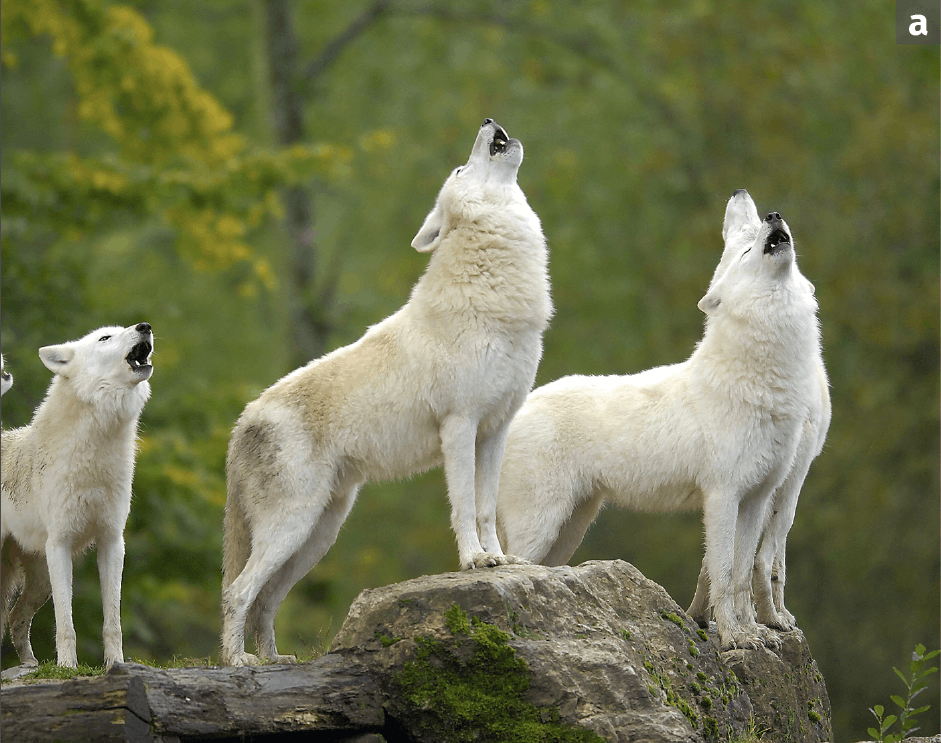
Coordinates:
x,y
751,516
59,560
720,515
110,571
458,446
490,450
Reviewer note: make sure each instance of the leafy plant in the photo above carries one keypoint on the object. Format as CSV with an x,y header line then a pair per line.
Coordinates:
x,y
915,686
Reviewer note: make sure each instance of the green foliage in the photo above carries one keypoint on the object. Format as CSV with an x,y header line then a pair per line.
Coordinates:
x,y
472,689
177,157
915,685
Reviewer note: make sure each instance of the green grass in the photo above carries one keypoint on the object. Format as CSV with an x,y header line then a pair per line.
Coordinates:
x,y
48,670
751,734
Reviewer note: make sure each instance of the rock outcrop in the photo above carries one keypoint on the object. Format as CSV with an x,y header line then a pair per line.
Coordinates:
x,y
594,652
524,653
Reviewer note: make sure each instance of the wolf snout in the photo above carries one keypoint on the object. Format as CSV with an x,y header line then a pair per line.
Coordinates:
x,y
500,137
139,357
778,236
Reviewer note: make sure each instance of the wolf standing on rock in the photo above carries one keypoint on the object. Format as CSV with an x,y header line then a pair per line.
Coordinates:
x,y
66,484
437,382
731,431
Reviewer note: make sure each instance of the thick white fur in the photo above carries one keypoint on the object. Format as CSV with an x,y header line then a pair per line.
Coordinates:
x,y
723,431
66,484
437,382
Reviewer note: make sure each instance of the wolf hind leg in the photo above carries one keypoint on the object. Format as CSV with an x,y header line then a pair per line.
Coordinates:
x,y
11,579
572,531
534,513
276,536
321,538
699,609
36,592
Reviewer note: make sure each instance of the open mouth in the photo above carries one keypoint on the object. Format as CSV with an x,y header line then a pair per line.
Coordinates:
x,y
139,357
777,240
500,138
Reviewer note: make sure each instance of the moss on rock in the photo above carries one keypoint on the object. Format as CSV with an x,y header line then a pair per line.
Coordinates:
x,y
471,689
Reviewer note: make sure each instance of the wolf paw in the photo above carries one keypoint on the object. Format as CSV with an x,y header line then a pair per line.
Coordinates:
x,y
783,622
769,638
288,659
245,659
487,560
742,639
109,662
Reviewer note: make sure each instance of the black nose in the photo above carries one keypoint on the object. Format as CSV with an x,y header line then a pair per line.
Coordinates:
x,y
487,121
772,216
143,327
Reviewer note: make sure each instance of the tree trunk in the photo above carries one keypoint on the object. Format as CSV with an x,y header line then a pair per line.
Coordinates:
x,y
309,325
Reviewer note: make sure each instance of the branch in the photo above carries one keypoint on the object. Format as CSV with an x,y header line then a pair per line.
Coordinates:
x,y
583,47
313,69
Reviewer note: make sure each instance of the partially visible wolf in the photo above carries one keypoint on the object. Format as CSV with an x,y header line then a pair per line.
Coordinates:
x,y
6,379
66,483
731,430
437,382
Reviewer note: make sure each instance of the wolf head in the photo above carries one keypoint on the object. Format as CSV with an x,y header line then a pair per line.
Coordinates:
x,y
106,362
758,261
6,379
490,170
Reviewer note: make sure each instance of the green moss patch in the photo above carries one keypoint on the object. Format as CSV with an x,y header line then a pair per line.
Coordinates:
x,y
471,689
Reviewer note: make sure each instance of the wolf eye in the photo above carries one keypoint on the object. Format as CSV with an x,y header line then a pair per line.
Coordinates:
x,y
104,338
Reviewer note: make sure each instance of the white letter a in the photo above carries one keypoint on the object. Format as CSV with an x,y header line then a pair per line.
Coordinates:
x,y
919,27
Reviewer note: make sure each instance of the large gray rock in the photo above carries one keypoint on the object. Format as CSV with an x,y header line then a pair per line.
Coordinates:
x,y
594,652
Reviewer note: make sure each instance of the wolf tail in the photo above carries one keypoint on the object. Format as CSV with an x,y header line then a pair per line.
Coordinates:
x,y
12,576
236,538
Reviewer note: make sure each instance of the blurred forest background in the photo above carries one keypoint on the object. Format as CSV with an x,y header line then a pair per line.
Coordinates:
x,y
246,175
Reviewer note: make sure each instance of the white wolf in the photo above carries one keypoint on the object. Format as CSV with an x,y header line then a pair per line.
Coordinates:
x,y
66,483
436,382
722,431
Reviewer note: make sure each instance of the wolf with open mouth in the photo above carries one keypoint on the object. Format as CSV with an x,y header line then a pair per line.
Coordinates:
x,y
435,383
66,484
731,431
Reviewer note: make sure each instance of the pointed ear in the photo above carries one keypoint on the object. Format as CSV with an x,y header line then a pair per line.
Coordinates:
x,y
710,302
739,212
56,358
429,235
